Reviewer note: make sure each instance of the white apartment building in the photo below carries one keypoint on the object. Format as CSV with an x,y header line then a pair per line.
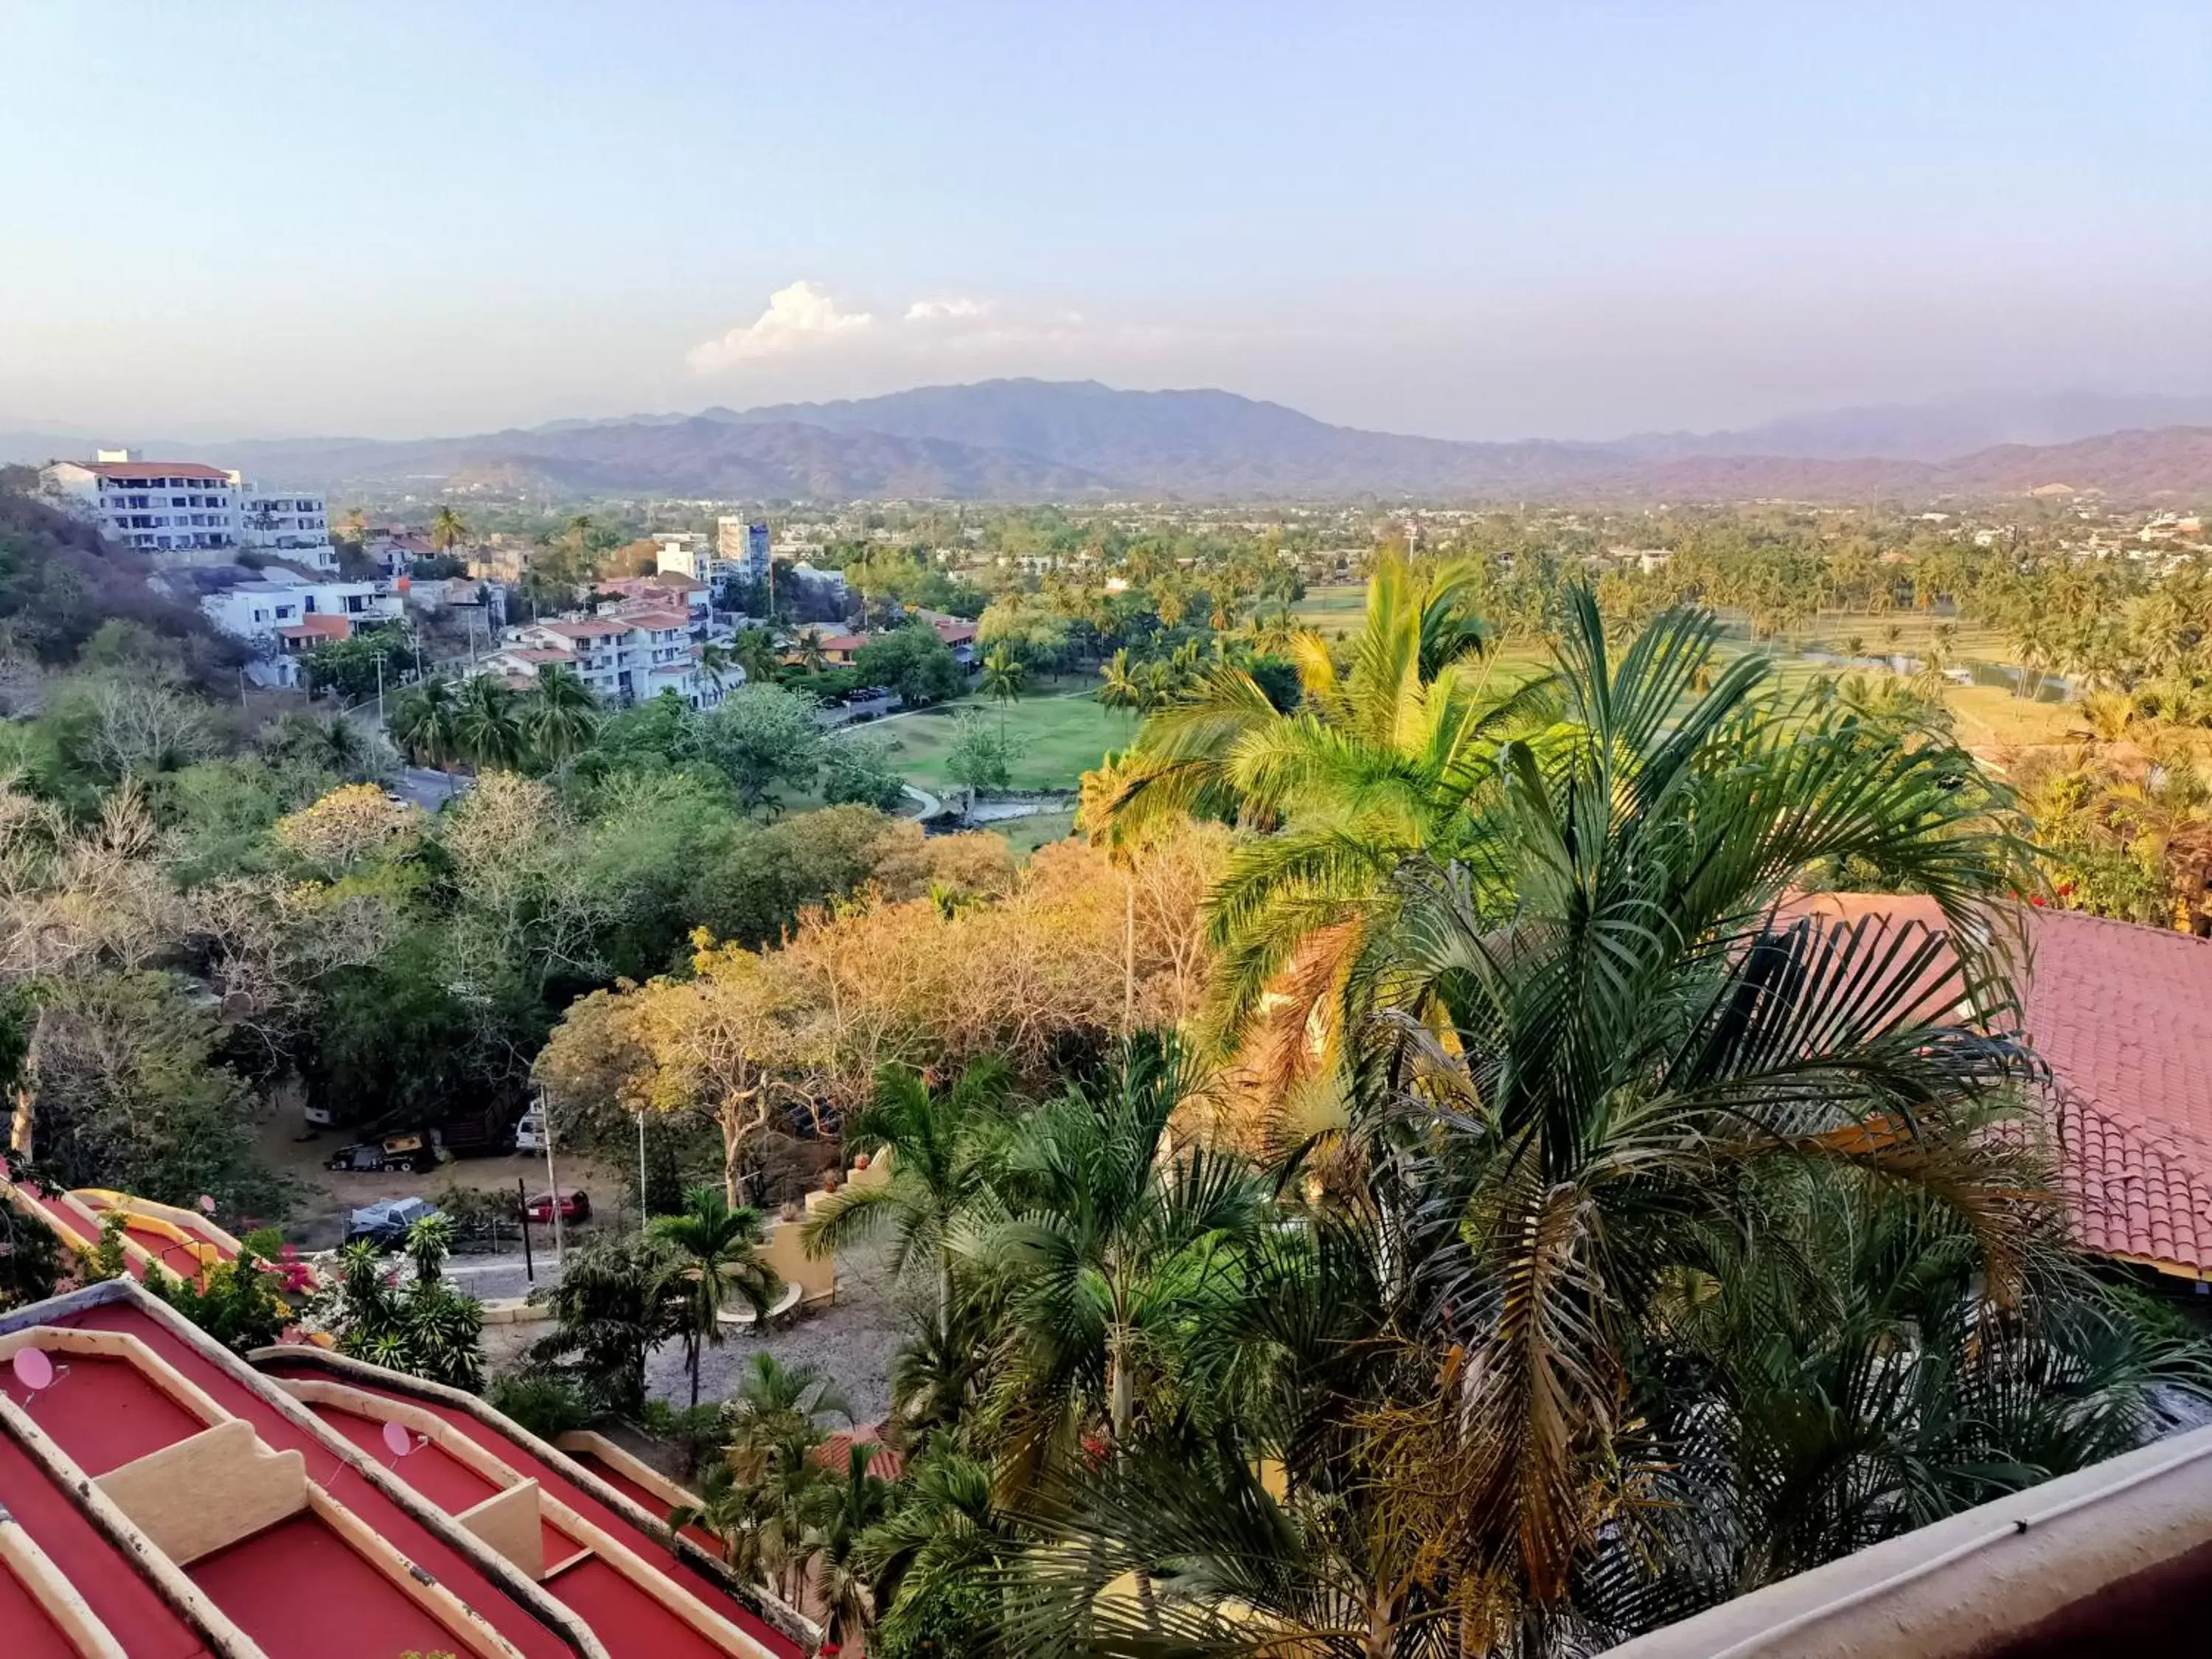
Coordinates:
x,y
293,524
188,512
627,658
284,620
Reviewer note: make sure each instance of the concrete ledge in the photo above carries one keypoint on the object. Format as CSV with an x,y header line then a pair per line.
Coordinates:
x,y
1973,1583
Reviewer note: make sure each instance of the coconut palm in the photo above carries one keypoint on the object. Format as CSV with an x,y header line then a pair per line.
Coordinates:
x,y
720,1249
945,1530
1003,673
446,530
1118,686
941,1143
560,716
811,655
426,723
488,727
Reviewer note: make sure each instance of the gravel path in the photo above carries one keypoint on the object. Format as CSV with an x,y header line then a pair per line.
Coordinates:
x,y
851,1341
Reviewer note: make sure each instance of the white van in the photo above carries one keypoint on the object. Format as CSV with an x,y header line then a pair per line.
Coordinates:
x,y
530,1132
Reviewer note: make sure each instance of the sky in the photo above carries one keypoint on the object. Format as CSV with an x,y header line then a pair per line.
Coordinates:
x,y
1472,220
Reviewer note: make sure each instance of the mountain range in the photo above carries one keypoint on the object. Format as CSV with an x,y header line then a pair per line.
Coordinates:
x,y
1026,440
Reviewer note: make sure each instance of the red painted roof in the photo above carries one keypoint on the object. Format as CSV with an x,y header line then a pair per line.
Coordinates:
x,y
298,1588
92,1441
629,1620
134,1613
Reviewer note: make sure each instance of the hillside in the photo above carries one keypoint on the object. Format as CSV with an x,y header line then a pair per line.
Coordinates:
x,y
1042,441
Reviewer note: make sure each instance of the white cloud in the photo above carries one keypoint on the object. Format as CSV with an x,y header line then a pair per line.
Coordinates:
x,y
806,322
946,311
798,318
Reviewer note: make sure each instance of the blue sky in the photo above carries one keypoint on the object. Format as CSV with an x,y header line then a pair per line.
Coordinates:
x,y
1472,220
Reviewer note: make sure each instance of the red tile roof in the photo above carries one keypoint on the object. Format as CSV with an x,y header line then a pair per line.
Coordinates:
x,y
2123,1016
656,619
583,630
884,1463
320,625
156,470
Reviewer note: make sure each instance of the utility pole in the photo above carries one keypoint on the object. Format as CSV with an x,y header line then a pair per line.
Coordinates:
x,y
552,1181
642,1208
380,689
522,1210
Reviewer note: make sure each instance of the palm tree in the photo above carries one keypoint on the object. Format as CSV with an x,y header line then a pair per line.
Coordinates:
x,y
487,726
718,662
848,1506
1118,686
941,1143
1374,766
718,1248
1619,1107
945,1531
560,716
754,651
426,723
1003,673
617,1300
446,530
811,655
1116,1240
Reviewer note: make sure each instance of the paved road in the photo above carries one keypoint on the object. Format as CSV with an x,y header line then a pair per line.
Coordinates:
x,y
428,789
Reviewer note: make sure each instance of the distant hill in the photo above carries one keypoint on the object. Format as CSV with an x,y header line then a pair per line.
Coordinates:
x,y
1049,440
1934,432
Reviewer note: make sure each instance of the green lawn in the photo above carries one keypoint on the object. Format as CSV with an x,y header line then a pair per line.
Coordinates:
x,y
1328,611
1062,737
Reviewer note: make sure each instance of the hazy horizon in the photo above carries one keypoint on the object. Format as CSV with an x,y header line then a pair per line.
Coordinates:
x,y
246,219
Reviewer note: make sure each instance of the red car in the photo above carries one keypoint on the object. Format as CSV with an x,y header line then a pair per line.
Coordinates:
x,y
574,1208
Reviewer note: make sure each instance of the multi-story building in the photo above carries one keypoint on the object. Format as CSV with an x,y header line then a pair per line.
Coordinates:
x,y
291,525
743,544
665,591
190,512
184,509
285,620
631,656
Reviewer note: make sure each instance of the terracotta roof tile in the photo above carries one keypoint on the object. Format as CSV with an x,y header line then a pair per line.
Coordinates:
x,y
157,470
2123,1015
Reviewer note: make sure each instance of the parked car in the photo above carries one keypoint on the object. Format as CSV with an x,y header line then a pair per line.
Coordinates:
x,y
574,1208
420,1150
530,1132
385,1224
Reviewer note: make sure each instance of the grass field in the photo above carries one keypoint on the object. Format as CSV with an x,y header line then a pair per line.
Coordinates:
x,y
1062,737
1989,716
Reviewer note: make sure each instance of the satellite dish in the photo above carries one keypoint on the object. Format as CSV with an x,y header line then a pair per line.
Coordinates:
x,y
398,1441
33,1369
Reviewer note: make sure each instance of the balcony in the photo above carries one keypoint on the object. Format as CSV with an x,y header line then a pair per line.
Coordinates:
x,y
2116,1559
